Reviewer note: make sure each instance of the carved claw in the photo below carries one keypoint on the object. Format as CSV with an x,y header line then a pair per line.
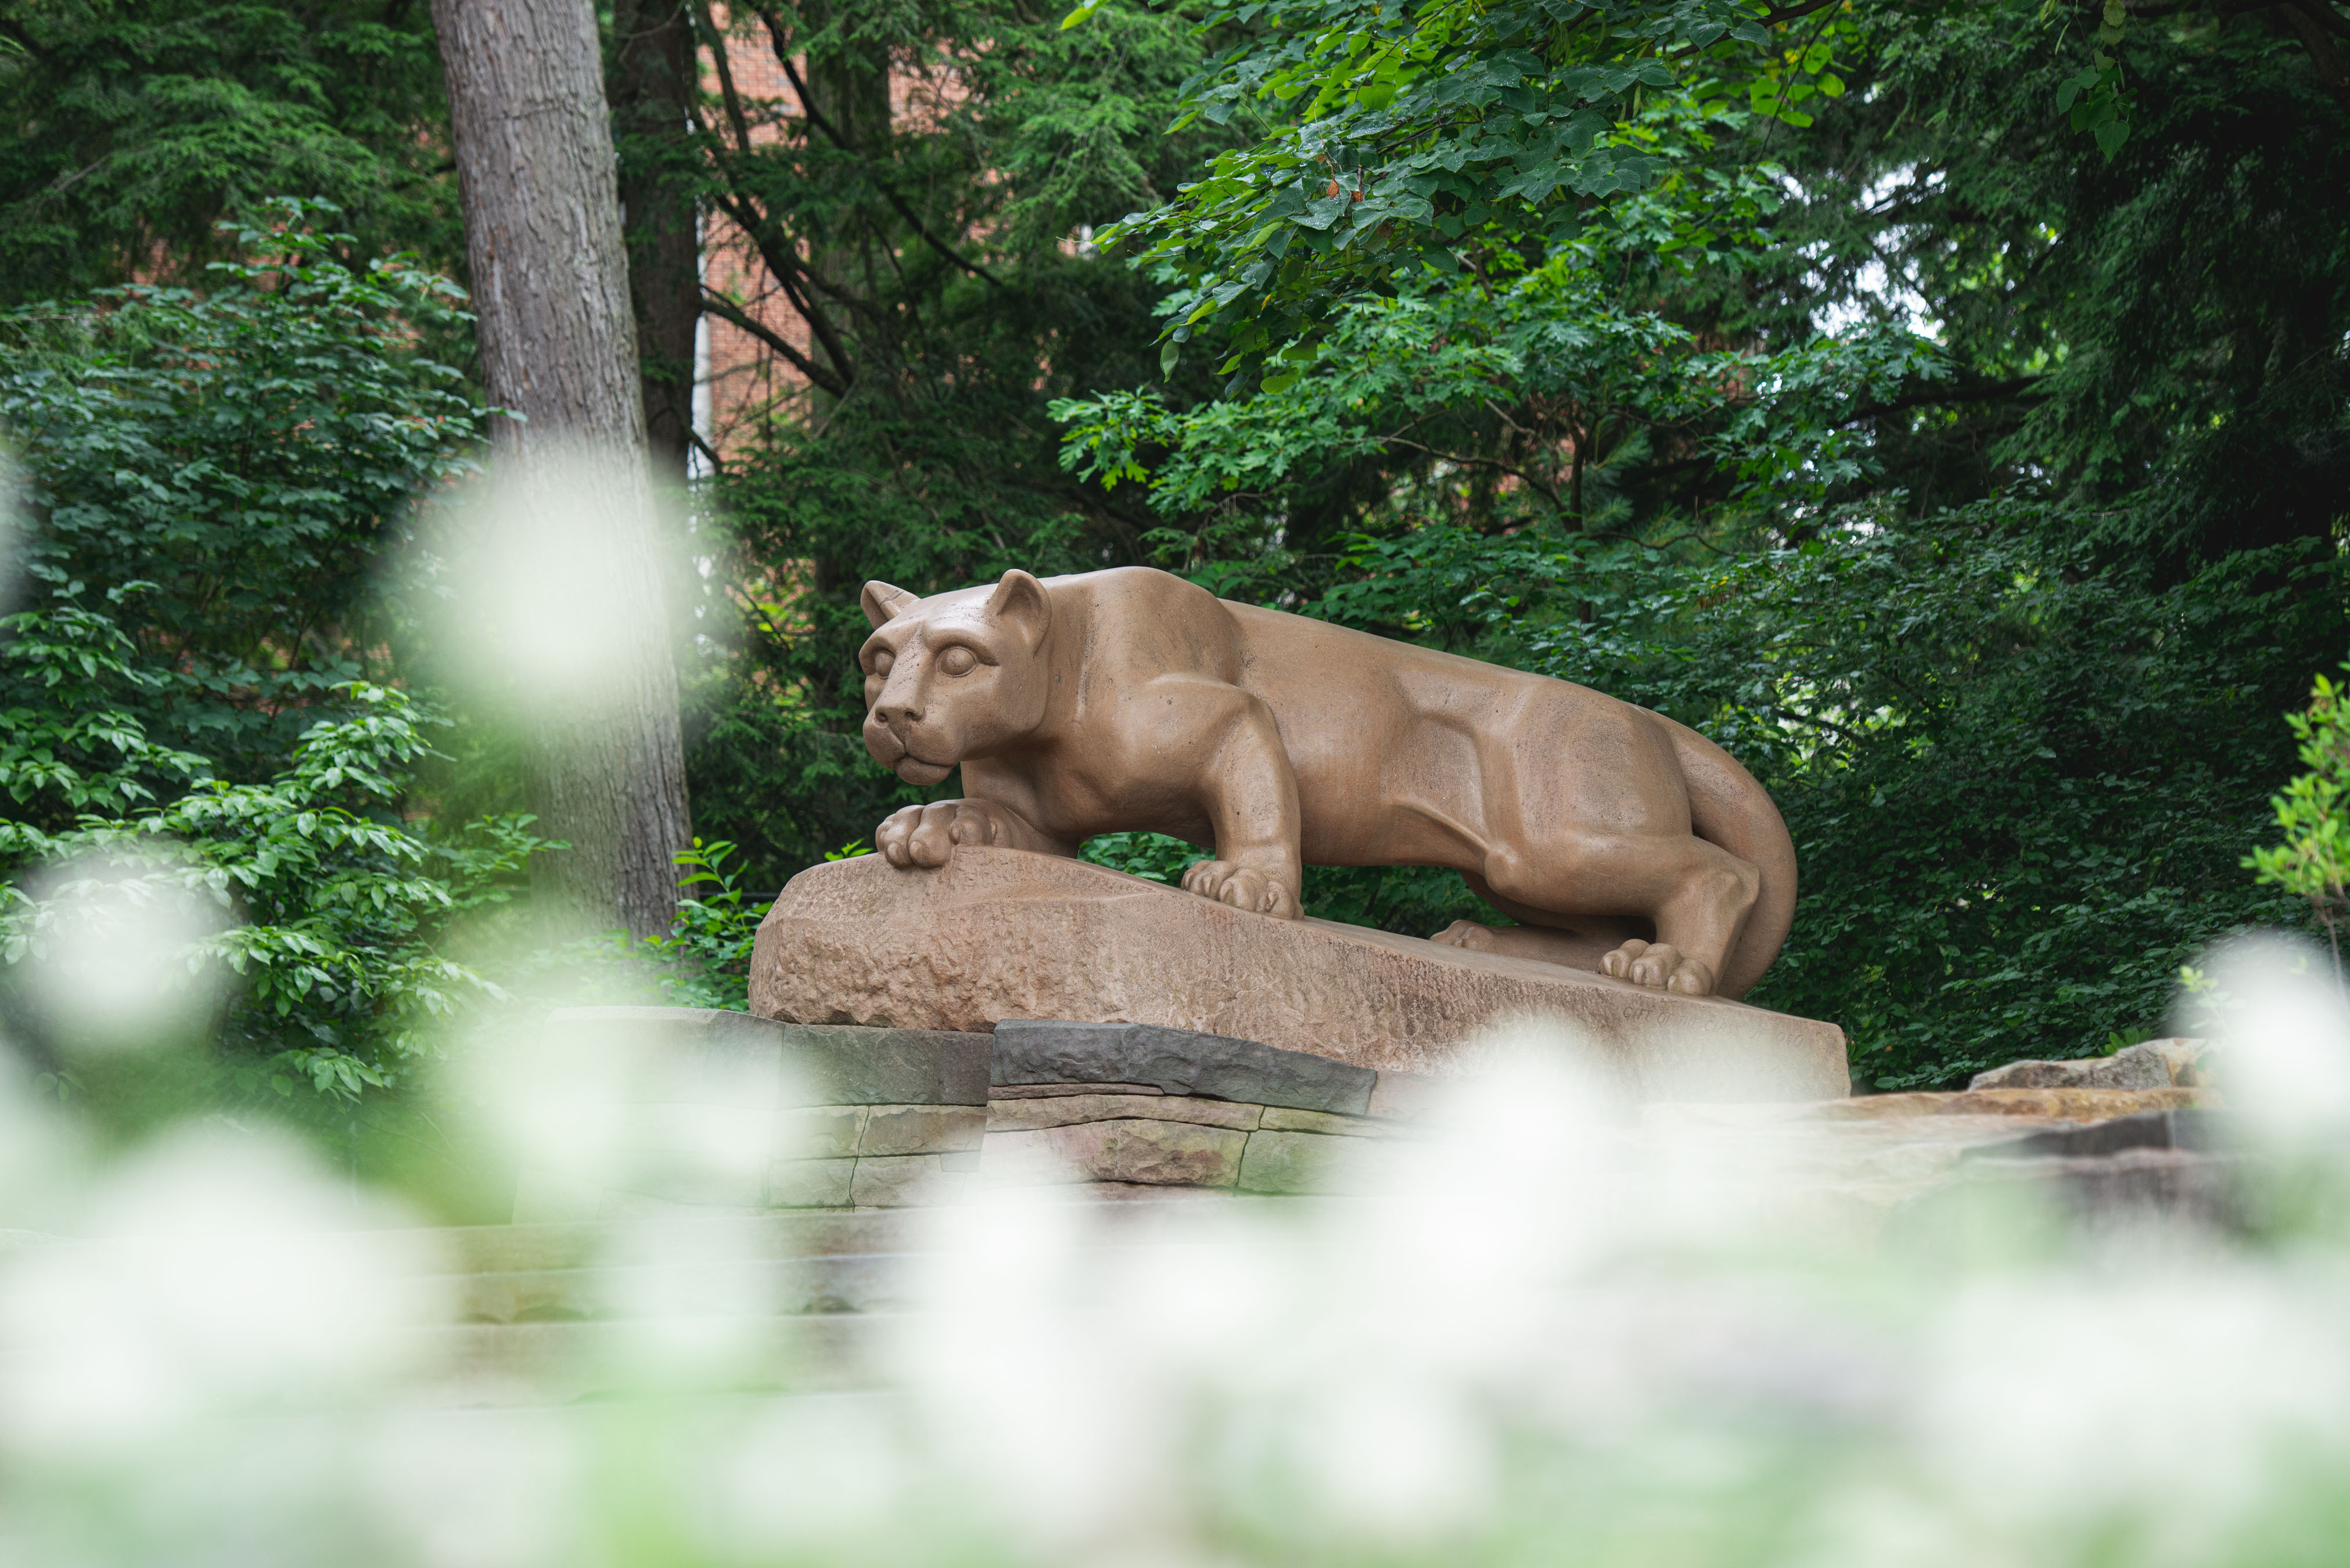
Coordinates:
x,y
1242,886
1659,966
926,836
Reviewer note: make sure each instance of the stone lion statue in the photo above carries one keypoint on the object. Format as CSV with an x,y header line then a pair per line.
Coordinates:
x,y
1132,700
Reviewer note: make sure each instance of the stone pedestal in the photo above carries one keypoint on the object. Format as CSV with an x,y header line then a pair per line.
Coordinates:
x,y
1003,934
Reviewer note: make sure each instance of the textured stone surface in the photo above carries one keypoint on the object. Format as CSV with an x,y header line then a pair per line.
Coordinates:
x,y
1000,933
2128,1188
922,1129
2063,1104
1280,1118
1403,1096
1278,1161
891,1067
1155,1153
810,1183
819,1132
2138,1067
1177,1062
1046,1091
905,1181
1063,1110
2204,1130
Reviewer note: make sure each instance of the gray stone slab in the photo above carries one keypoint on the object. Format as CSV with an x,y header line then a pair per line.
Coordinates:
x,y
655,1055
1179,1062
1063,1110
853,1064
1046,1091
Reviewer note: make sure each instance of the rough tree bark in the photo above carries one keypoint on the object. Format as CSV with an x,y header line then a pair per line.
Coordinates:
x,y
558,345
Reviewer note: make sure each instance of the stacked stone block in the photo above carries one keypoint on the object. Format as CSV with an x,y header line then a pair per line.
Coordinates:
x,y
658,1108
680,1109
1135,1104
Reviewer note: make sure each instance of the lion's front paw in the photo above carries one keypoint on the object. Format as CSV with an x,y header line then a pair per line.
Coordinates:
x,y
1659,966
927,835
1242,886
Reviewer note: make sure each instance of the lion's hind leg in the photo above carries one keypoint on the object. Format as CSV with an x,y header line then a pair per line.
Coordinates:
x,y
1694,896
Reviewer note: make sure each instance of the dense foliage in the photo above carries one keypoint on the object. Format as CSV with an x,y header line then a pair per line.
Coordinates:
x,y
2005,619
2314,810
195,695
127,132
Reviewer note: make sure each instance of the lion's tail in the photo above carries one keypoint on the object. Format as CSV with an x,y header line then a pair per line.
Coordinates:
x,y
1728,808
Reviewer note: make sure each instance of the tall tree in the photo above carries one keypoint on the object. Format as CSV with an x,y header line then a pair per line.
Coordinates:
x,y
558,344
652,88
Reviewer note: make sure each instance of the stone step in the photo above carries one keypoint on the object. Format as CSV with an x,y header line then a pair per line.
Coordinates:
x,y
755,1287
504,1364
568,1245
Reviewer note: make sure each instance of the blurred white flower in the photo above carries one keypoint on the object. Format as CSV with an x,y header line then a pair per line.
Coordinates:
x,y
118,959
550,589
214,1273
2282,1029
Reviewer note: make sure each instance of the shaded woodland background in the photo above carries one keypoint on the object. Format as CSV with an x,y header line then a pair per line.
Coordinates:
x,y
1944,404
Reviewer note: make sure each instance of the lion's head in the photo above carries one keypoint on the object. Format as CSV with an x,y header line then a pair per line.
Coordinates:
x,y
952,676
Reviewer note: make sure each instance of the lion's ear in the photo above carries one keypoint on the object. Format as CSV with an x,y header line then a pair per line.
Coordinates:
x,y
884,603
1019,600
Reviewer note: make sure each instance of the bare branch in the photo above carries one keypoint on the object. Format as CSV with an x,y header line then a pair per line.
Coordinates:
x,y
718,305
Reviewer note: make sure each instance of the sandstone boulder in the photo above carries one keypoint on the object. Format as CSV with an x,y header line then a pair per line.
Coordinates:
x,y
1005,934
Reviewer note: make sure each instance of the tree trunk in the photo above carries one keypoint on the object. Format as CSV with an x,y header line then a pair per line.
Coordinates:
x,y
558,346
652,83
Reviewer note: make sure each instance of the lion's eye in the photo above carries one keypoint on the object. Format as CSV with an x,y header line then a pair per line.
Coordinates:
x,y
882,661
958,660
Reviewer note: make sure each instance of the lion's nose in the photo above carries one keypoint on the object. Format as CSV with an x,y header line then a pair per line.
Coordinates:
x,y
898,714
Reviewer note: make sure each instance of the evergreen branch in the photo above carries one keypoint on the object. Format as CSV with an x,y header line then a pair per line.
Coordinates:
x,y
1548,493
776,33
1983,392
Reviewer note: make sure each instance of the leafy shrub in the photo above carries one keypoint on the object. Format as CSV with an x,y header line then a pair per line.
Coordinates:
x,y
2314,861
227,474
334,909
200,700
